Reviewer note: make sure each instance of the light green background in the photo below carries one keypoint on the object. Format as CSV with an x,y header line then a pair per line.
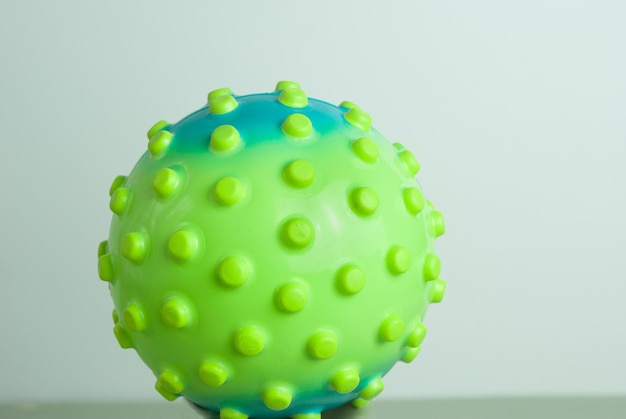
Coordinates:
x,y
515,109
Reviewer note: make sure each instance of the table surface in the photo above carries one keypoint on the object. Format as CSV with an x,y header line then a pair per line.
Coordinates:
x,y
488,408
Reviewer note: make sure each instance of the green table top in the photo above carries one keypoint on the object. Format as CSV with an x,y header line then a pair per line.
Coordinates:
x,y
494,408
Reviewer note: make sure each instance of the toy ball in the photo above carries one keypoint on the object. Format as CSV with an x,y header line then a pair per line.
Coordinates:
x,y
271,256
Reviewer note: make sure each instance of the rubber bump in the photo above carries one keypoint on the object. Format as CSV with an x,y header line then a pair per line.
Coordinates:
x,y
105,267
166,182
117,182
297,233
410,162
213,373
225,138
322,344
249,341
372,389
103,248
228,413
348,104
161,125
413,200
293,98
398,260
222,104
350,279
292,297
364,201
134,247
416,337
134,318
285,84
160,142
345,381
359,402
222,91
119,200
234,271
432,267
229,191
169,385
437,223
277,398
410,354
392,328
436,290
358,118
297,125
307,416
366,149
183,245
122,337
299,174
176,312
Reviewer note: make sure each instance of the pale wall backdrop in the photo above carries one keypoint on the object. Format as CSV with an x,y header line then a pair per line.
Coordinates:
x,y
515,109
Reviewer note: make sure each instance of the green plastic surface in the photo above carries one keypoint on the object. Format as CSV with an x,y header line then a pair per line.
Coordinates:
x,y
271,255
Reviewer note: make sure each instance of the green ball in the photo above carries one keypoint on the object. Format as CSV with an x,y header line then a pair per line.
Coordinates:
x,y
271,255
